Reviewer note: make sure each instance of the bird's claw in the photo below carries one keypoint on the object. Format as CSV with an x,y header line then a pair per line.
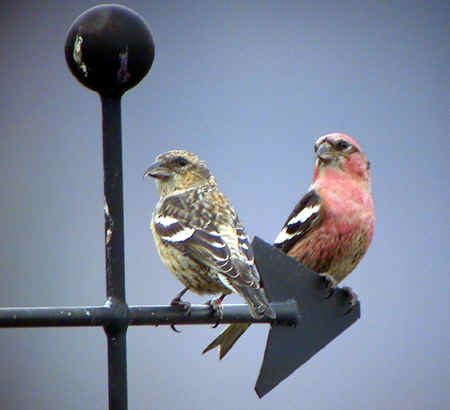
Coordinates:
x,y
185,306
326,282
172,326
216,310
350,297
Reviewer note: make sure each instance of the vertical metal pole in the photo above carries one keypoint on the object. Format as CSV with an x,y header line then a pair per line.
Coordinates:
x,y
117,371
113,188
109,49
114,252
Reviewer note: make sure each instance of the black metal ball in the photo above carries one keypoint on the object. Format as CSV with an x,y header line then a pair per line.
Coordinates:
x,y
109,48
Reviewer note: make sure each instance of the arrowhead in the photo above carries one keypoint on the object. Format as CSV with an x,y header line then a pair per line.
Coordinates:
x,y
321,318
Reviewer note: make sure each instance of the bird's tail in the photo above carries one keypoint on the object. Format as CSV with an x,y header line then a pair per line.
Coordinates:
x,y
257,301
258,306
228,338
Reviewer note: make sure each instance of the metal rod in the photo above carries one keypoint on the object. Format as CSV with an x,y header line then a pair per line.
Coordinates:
x,y
114,252
55,316
287,313
117,370
113,186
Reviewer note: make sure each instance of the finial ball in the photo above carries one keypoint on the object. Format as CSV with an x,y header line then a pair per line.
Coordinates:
x,y
109,49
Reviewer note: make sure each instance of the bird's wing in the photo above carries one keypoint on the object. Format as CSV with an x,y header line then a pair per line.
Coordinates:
x,y
307,215
202,230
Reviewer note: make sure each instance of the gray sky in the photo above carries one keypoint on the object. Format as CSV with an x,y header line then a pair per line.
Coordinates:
x,y
248,86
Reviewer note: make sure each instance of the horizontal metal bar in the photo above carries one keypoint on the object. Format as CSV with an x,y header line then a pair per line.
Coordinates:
x,y
287,313
55,316
201,314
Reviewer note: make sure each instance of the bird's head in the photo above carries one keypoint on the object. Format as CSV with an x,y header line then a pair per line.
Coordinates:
x,y
178,170
341,152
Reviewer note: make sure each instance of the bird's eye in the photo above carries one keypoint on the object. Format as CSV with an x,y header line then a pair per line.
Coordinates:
x,y
341,145
182,161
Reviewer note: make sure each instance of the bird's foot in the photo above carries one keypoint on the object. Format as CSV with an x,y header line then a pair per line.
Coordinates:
x,y
216,309
327,283
350,297
185,306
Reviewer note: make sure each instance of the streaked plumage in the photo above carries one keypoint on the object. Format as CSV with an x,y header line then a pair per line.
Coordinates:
x,y
198,234
331,227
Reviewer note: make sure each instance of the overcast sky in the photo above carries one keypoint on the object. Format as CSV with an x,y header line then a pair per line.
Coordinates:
x,y
248,86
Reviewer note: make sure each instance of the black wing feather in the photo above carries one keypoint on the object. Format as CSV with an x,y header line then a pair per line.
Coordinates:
x,y
296,228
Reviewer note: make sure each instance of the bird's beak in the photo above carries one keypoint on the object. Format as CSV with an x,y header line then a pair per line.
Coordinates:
x,y
326,152
158,171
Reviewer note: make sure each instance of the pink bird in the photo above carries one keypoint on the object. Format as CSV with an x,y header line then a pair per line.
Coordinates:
x,y
331,227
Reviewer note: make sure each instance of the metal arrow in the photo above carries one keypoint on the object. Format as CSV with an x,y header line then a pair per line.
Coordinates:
x,y
321,317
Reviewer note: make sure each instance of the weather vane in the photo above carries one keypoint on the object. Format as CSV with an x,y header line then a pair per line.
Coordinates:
x,y
109,49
